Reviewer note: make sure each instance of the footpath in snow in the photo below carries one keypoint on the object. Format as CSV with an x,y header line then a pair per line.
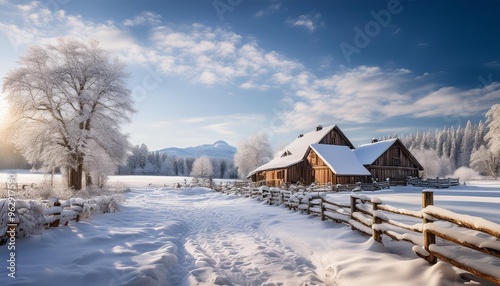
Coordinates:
x,y
199,237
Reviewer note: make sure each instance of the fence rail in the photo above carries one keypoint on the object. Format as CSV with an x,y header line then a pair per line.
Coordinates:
x,y
462,235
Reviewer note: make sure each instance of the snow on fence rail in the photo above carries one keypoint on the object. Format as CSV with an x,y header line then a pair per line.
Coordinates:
x,y
32,216
463,240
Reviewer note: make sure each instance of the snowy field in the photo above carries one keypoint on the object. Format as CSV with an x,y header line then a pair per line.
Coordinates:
x,y
167,236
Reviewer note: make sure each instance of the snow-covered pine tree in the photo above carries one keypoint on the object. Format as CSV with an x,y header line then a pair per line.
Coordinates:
x,y
441,136
480,132
466,146
454,149
493,134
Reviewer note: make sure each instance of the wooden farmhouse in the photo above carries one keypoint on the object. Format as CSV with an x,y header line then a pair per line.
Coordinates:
x,y
327,156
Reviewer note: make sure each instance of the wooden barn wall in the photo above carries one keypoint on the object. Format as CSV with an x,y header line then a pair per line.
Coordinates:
x,y
394,164
394,173
275,177
334,137
324,175
300,172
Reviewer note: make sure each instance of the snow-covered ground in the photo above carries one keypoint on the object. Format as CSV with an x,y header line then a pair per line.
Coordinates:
x,y
194,236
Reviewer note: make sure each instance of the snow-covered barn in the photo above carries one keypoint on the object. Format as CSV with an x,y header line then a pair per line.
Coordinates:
x,y
326,155
388,159
291,165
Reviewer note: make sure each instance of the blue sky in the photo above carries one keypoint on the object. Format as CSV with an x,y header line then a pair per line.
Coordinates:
x,y
227,69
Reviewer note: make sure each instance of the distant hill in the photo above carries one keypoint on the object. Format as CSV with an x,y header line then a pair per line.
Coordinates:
x,y
218,149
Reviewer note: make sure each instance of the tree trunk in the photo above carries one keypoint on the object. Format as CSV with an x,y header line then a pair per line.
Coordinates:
x,y
75,175
88,180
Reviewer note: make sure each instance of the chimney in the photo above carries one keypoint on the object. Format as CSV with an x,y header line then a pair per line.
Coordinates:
x,y
374,140
300,136
319,127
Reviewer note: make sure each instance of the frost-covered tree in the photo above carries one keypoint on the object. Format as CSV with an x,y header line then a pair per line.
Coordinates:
x,y
466,174
67,102
441,138
202,167
493,135
434,166
479,135
486,162
467,145
252,153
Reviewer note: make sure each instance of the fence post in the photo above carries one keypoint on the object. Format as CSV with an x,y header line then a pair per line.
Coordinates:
x,y
429,238
79,215
377,234
56,222
322,208
353,209
309,206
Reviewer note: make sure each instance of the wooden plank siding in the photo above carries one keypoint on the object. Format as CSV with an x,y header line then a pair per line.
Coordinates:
x,y
396,163
322,174
336,137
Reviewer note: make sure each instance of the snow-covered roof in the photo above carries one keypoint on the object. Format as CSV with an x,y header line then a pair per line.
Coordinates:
x,y
369,153
340,159
295,151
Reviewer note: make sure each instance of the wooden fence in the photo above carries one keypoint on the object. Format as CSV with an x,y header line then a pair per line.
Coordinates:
x,y
433,183
53,213
57,212
435,233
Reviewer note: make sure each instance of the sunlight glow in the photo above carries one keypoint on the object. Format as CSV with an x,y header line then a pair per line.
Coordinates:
x,y
3,112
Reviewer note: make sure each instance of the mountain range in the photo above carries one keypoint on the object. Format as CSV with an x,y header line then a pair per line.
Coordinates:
x,y
219,149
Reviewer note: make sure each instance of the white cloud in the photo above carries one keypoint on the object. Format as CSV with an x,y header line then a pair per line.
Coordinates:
x,y
28,7
271,9
370,94
215,55
208,77
422,45
33,24
209,55
145,18
227,125
308,22
492,64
